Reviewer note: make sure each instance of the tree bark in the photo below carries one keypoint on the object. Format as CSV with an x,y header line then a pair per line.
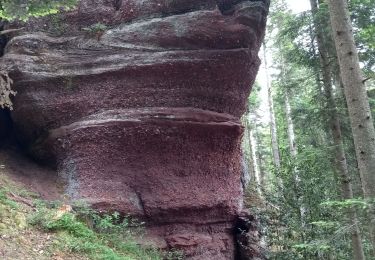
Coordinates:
x,y
335,127
255,159
294,152
249,146
260,157
356,98
273,127
290,125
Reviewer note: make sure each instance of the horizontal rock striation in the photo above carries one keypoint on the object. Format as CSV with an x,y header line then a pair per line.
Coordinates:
x,y
137,105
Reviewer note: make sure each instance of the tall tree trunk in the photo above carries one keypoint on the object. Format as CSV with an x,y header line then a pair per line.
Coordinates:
x,y
335,126
344,118
260,157
255,159
356,97
273,128
256,163
247,139
294,152
290,125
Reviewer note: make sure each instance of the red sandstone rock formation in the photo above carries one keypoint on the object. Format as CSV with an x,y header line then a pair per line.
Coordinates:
x,y
142,116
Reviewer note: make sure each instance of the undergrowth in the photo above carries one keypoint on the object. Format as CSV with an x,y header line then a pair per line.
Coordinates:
x,y
78,229
106,237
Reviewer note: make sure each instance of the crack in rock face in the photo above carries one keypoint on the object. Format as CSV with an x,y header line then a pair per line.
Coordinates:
x,y
137,105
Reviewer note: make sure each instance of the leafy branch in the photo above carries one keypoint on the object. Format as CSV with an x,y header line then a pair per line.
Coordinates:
x,y
23,10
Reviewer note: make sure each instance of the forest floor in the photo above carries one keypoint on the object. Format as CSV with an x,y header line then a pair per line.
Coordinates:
x,y
21,182
37,223
29,175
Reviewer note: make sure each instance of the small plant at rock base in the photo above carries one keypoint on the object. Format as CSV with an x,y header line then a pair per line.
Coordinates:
x,y
97,27
72,230
83,230
96,30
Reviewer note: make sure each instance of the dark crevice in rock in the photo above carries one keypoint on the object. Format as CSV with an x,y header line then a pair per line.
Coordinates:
x,y
247,238
36,150
117,4
225,6
241,227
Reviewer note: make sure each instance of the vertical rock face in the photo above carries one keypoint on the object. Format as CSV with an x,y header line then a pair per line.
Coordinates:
x,y
137,104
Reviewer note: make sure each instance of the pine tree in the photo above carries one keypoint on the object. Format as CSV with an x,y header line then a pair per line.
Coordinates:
x,y
335,127
356,98
273,126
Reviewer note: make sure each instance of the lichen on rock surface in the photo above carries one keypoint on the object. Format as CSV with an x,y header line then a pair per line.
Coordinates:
x,y
142,116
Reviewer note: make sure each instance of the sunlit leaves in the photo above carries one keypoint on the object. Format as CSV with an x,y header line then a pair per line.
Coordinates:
x,y
25,9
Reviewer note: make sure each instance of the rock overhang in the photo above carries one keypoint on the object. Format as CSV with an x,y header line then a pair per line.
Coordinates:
x,y
142,116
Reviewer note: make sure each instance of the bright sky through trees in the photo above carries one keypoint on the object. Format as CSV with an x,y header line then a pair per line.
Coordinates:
x,y
297,6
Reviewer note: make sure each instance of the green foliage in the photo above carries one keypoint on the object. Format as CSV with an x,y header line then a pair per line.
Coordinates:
x,y
254,99
345,204
325,224
363,17
5,200
107,236
23,10
324,232
57,26
313,247
95,28
78,229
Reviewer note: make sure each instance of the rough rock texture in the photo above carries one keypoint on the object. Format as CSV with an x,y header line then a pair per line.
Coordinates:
x,y
142,115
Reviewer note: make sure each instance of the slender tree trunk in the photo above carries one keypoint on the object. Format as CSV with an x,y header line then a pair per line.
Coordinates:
x,y
273,128
294,152
249,145
290,125
255,159
356,97
335,126
256,167
262,173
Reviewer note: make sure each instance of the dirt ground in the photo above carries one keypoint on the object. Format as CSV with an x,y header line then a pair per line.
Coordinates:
x,y
33,177
18,240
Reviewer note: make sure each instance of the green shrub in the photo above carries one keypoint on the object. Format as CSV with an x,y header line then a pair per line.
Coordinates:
x,y
103,237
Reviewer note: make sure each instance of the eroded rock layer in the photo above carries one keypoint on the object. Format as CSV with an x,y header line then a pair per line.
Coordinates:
x,y
137,104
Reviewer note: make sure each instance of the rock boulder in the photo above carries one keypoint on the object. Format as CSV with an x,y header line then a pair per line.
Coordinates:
x,y
137,105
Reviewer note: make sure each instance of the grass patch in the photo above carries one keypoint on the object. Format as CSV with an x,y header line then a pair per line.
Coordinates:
x,y
82,230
